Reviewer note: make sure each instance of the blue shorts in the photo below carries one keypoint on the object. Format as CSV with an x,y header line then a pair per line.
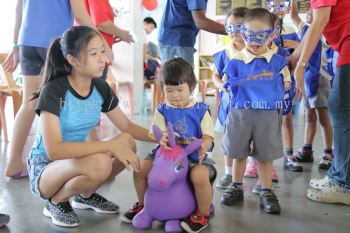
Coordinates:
x,y
36,166
169,52
32,59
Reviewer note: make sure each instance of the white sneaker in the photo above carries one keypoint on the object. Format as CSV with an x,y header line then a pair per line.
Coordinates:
x,y
331,193
319,183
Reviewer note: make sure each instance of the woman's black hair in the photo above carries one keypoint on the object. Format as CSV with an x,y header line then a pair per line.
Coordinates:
x,y
73,42
176,72
260,14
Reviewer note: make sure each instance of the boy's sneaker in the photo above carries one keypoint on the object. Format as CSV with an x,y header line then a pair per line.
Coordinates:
x,y
4,219
269,202
232,195
96,202
290,163
325,161
128,216
304,156
251,170
319,183
274,175
61,214
224,181
196,222
331,193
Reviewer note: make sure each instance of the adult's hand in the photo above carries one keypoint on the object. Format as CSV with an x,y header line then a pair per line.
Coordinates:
x,y
299,82
12,60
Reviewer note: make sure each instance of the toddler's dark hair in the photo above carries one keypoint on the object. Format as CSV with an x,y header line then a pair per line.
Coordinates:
x,y
176,72
260,14
238,12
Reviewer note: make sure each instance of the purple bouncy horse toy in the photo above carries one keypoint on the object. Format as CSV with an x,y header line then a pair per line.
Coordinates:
x,y
169,196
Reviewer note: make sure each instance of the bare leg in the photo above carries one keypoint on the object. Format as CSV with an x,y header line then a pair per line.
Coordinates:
x,y
228,161
287,130
140,179
264,171
21,126
311,126
326,126
204,193
63,179
238,169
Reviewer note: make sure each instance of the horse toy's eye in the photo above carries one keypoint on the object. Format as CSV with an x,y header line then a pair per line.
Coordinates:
x,y
178,168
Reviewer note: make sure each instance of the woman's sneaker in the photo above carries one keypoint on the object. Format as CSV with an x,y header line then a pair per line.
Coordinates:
x,y
95,202
269,202
4,219
129,216
224,181
196,222
319,183
251,170
325,161
61,214
331,193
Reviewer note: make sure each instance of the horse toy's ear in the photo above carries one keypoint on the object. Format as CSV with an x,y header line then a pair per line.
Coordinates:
x,y
157,133
195,145
171,136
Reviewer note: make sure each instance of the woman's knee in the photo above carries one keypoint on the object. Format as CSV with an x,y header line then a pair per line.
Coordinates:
x,y
101,167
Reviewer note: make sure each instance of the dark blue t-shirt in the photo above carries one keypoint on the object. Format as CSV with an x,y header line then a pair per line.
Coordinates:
x,y
177,26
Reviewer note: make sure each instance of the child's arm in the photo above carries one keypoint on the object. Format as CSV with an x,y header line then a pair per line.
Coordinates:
x,y
294,13
218,82
286,78
207,127
57,149
123,123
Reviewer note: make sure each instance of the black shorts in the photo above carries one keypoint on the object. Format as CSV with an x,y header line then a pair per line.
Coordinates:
x,y
32,59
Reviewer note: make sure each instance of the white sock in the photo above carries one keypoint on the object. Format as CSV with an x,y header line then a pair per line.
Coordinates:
x,y
228,170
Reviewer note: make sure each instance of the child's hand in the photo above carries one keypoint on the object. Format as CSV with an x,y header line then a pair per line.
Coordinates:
x,y
164,141
201,153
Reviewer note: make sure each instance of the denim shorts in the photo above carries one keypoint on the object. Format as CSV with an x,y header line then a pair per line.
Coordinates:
x,y
36,166
32,59
169,52
207,162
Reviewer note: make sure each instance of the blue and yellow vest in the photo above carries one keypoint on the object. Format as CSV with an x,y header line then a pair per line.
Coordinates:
x,y
257,85
186,122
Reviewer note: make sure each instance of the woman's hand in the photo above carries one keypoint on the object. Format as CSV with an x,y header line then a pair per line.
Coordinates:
x,y
12,60
124,155
299,82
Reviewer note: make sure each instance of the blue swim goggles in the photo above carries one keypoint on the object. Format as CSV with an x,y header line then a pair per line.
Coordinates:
x,y
233,27
259,37
273,6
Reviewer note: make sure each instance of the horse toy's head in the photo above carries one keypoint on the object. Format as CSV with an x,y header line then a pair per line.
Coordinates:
x,y
170,166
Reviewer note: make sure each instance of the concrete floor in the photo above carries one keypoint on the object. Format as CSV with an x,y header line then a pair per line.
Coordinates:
x,y
299,215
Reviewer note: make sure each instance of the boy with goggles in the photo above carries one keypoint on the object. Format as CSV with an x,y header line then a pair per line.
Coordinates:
x,y
257,78
233,28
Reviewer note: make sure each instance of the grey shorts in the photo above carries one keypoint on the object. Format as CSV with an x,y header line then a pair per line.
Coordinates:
x,y
263,128
169,52
321,98
32,59
207,162
36,166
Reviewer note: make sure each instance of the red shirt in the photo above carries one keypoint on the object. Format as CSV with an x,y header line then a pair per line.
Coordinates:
x,y
337,31
100,12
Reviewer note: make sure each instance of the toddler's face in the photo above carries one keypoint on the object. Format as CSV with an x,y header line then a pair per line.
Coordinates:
x,y
178,96
278,7
257,35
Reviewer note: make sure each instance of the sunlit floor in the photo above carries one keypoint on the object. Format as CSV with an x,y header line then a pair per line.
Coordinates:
x,y
298,215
